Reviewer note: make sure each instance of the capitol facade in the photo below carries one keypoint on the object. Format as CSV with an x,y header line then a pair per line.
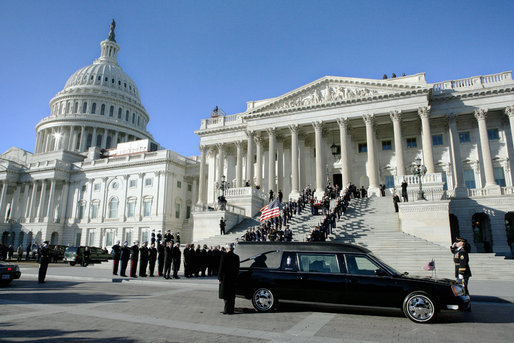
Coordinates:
x,y
97,175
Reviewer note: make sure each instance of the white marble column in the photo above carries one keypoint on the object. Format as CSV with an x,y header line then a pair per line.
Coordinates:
x,y
82,145
87,209
16,202
41,209
249,157
104,139
345,161
3,201
104,203
258,168
201,177
487,162
320,190
155,204
49,211
139,214
302,173
93,138
509,111
220,162
114,143
373,189
211,176
24,203
294,162
460,186
280,164
271,157
32,207
64,202
428,157
396,117
123,206
239,164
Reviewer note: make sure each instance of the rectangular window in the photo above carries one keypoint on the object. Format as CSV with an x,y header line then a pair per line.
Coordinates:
x,y
412,143
360,265
96,187
177,210
387,145
130,209
189,187
94,211
144,236
389,181
464,137
318,263
128,236
148,181
493,134
363,147
437,140
81,212
91,238
147,207
499,176
109,238
132,183
179,184
469,178
188,212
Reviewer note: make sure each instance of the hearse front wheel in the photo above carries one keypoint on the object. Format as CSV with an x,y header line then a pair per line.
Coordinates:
x,y
419,307
264,300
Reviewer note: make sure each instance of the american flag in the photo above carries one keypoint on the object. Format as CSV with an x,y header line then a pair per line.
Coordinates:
x,y
430,265
271,210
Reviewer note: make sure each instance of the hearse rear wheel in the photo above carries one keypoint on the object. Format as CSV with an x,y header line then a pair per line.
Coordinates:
x,y
264,300
419,307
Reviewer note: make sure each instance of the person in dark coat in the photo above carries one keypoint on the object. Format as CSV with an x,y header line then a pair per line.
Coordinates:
x,y
116,254
43,262
134,257
87,257
396,200
124,258
227,277
404,192
223,224
461,261
160,249
204,260
143,259
177,257
168,258
187,261
27,257
152,257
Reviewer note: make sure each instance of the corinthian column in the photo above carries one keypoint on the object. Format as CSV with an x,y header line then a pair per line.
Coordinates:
x,y
396,117
460,187
249,157
318,127
258,169
239,162
372,162
343,134
294,162
220,162
201,178
271,165
509,111
487,162
428,158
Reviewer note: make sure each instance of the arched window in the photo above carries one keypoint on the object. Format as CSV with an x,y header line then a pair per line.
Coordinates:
x,y
93,108
102,110
113,208
138,120
84,107
119,113
76,108
68,107
111,111
133,118
127,115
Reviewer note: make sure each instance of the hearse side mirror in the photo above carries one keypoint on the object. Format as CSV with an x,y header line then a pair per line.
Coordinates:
x,y
380,272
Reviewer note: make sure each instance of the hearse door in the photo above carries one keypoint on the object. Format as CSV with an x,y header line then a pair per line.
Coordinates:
x,y
286,280
367,288
320,277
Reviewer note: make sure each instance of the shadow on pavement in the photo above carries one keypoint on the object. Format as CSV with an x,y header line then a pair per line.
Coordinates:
x,y
51,335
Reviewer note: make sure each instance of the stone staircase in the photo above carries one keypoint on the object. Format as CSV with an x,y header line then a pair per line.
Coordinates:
x,y
372,223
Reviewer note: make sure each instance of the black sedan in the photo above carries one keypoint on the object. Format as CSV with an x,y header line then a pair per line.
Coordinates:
x,y
337,273
8,272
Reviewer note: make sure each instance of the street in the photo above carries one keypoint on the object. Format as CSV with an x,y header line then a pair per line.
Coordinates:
x,y
89,305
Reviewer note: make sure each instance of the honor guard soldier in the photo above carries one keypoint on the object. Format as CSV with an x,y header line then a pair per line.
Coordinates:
x,y
124,258
134,257
143,259
43,262
116,254
152,257
461,260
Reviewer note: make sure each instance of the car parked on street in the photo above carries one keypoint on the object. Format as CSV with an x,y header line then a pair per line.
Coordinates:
x,y
337,273
8,272
75,255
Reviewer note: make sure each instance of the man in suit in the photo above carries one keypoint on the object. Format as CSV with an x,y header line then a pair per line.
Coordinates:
x,y
124,258
43,262
116,254
177,257
168,258
222,226
143,261
152,257
160,250
227,277
405,195
134,257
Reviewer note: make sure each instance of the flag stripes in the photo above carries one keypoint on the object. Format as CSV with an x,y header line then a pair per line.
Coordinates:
x,y
271,210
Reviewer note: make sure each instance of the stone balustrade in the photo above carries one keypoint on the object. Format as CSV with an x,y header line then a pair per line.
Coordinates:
x,y
433,178
475,82
221,121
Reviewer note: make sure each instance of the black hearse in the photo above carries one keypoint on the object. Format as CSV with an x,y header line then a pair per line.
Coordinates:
x,y
338,273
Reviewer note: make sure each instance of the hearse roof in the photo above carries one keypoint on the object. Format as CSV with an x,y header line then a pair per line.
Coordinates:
x,y
301,246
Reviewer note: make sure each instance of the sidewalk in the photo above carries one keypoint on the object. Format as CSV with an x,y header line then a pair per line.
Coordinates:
x,y
481,290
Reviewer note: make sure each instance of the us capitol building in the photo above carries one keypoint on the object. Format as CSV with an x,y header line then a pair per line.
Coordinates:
x,y
97,175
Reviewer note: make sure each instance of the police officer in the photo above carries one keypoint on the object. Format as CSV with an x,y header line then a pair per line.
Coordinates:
x,y
43,262
124,258
116,254
461,260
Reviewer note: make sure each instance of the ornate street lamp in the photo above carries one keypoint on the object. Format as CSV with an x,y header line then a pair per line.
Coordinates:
x,y
222,186
419,170
334,149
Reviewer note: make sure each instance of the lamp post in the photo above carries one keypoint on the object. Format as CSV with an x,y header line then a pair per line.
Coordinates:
x,y
222,186
419,170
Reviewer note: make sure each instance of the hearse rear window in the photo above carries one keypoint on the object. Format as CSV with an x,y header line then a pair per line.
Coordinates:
x,y
318,263
289,262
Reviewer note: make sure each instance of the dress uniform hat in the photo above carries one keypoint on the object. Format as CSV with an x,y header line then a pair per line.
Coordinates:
x,y
45,242
461,240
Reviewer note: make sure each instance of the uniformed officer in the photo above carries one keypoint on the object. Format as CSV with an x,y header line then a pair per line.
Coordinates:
x,y
124,258
461,260
143,260
152,257
116,254
43,262
134,257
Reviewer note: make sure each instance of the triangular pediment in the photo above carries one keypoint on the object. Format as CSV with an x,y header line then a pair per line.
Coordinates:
x,y
331,90
16,155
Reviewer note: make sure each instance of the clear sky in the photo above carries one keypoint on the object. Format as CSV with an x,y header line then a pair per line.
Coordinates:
x,y
188,56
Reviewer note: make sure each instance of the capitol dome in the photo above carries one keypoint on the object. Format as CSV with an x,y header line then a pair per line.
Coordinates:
x,y
99,106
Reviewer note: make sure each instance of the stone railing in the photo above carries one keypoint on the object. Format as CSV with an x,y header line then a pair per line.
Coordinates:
x,y
475,82
230,208
507,190
244,191
221,121
434,178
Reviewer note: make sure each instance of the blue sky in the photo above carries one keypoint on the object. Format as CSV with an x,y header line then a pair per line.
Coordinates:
x,y
188,56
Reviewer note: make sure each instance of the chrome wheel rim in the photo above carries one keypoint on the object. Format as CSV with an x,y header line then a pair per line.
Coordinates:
x,y
420,308
263,299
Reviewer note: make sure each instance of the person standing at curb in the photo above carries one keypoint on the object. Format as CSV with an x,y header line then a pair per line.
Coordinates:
x,y
124,258
116,253
227,277
43,262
